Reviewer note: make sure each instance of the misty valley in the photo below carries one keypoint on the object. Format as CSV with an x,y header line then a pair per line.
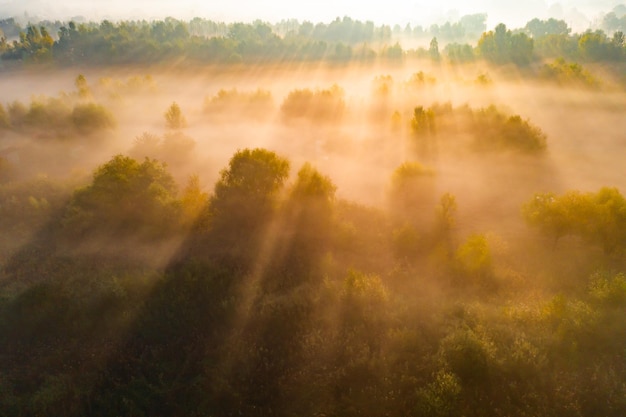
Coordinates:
x,y
203,219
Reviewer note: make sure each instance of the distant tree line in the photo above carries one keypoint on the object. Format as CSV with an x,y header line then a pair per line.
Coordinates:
x,y
206,41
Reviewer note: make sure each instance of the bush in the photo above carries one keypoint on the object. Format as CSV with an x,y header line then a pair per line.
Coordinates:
x,y
497,131
320,105
256,104
89,118
568,73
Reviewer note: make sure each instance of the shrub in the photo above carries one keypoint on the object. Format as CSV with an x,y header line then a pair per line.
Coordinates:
x,y
89,118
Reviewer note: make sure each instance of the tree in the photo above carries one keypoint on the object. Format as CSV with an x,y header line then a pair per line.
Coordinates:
x,y
612,23
433,50
608,221
193,200
82,86
423,122
599,218
125,198
539,28
495,130
243,202
458,53
502,46
174,118
423,128
474,24
596,46
394,53
308,221
474,259
619,40
319,105
557,216
446,215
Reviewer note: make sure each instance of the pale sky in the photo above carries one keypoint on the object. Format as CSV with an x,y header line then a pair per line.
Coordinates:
x,y
513,13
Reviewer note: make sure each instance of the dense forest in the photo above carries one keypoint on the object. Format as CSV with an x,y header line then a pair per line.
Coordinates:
x,y
203,41
299,219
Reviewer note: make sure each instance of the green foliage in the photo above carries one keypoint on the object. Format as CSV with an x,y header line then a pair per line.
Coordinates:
x,y
393,53
320,105
50,117
467,357
45,114
446,214
364,297
132,299
82,86
256,104
491,129
34,45
174,118
607,223
608,290
243,203
468,27
254,177
433,50
26,206
199,40
423,122
596,46
420,79
557,216
459,53
313,185
407,172
599,218
308,216
89,118
555,46
503,46
441,397
193,200
615,20
294,333
539,28
342,40
474,259
565,73
125,198
501,132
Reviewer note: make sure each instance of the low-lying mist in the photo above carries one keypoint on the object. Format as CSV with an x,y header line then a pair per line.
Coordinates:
x,y
354,125
311,239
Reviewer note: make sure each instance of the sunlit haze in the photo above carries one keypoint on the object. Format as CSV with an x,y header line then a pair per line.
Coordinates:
x,y
314,209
